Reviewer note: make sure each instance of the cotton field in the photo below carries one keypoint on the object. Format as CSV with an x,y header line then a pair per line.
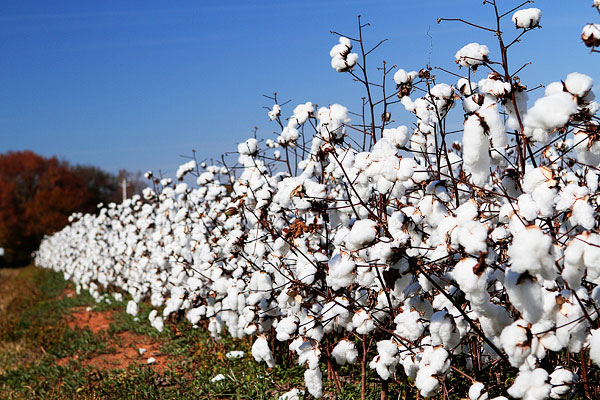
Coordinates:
x,y
411,251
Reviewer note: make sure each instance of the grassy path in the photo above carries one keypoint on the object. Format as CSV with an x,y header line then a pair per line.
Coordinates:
x,y
56,344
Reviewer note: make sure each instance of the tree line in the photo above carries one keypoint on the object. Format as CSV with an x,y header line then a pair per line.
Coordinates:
x,y
37,195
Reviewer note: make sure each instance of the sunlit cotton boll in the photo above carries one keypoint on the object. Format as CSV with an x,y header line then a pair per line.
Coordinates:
x,y
527,18
313,379
590,35
345,352
472,55
262,352
362,233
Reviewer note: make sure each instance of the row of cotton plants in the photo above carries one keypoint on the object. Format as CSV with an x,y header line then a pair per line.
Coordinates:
x,y
416,252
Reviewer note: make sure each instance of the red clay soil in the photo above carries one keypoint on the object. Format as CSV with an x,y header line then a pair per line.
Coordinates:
x,y
67,292
126,345
95,320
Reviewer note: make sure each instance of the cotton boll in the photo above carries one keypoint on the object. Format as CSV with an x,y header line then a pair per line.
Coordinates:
x,y
234,354
578,84
345,352
302,113
274,112
289,135
536,177
594,341
560,380
341,58
362,322
336,314
286,328
262,352
583,214
313,379
442,97
407,168
525,294
248,147
516,341
527,207
305,271
331,123
466,212
308,352
351,60
472,103
132,308
475,392
527,18
399,136
574,266
293,394
496,131
362,233
570,314
549,113
530,385
553,88
443,330
472,55
185,168
402,77
591,35
386,360
341,272
475,144
438,359
260,287
472,235
472,279
426,382
466,87
409,325
494,86
521,98
155,320
338,63
530,251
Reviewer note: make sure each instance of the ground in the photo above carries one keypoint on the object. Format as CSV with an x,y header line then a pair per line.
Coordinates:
x,y
57,344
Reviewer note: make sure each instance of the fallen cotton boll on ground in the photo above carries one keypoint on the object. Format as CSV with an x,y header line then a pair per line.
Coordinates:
x,y
235,354
293,394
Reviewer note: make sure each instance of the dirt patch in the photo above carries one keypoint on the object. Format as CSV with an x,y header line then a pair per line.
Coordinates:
x,y
127,352
96,321
124,348
68,292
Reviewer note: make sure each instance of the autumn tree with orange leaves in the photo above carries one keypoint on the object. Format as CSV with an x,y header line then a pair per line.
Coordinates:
x,y
38,194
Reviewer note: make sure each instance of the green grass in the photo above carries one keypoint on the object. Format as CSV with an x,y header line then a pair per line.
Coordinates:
x,y
35,337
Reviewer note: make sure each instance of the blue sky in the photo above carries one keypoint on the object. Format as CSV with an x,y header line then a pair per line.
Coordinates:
x,y
136,84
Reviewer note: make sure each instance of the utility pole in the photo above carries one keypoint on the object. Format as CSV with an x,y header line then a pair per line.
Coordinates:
x,y
124,188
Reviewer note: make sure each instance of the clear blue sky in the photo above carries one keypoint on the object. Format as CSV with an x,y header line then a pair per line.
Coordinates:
x,y
135,84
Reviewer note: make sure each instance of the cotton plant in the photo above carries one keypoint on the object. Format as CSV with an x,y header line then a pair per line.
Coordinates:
x,y
590,33
400,247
